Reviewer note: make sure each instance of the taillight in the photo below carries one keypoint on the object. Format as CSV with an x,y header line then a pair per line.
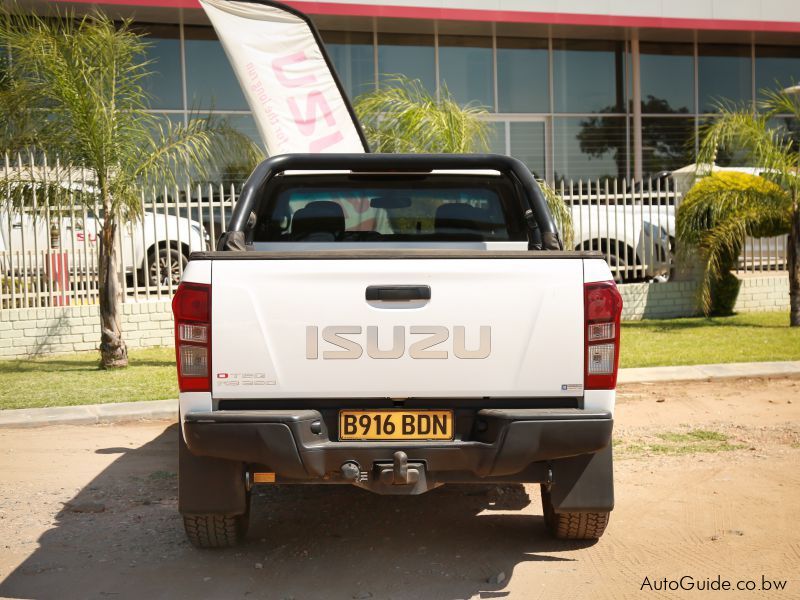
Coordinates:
x,y
602,308
191,307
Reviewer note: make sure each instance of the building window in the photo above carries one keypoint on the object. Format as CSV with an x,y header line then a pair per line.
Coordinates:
x,y
210,80
496,137
465,67
409,55
590,148
667,144
725,75
527,144
170,119
588,76
164,81
789,127
777,67
522,76
245,124
353,56
667,77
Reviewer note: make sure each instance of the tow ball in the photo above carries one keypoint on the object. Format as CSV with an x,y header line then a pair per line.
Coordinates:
x,y
400,473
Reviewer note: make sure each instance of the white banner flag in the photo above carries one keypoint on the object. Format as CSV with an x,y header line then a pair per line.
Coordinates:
x,y
291,87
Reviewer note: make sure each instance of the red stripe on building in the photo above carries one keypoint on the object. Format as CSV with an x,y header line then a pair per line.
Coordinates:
x,y
500,16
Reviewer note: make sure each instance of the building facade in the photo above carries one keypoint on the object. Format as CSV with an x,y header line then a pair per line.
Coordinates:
x,y
576,89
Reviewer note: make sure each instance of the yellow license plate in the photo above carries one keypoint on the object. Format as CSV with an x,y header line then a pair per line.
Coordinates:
x,y
389,425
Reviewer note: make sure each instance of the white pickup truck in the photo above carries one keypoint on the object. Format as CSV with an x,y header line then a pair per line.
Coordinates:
x,y
395,322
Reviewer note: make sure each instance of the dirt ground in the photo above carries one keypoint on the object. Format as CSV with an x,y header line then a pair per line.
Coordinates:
x,y
707,486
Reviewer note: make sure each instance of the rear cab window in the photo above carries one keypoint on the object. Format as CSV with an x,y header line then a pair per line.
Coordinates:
x,y
403,207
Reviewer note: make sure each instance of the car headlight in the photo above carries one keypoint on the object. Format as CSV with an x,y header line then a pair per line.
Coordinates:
x,y
200,231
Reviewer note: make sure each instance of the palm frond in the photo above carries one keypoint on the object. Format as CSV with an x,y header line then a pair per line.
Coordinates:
x,y
193,151
719,212
777,102
766,148
86,75
402,116
560,212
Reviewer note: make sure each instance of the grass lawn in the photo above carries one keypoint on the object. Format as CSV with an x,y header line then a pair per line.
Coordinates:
x,y
75,379
677,443
748,337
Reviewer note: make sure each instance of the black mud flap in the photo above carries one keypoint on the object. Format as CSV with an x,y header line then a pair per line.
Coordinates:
x,y
584,483
209,485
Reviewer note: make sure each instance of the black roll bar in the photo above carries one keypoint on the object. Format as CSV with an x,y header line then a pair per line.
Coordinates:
x,y
399,163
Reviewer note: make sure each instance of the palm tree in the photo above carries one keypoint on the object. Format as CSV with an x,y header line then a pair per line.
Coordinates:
x,y
714,218
730,209
401,116
83,83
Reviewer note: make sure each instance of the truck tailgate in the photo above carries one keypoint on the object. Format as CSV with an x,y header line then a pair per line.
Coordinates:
x,y
509,328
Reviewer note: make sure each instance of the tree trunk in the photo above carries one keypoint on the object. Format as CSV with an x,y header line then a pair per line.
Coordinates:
x,y
794,266
113,352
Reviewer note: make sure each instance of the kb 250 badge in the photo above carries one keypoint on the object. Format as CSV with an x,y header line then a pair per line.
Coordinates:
x,y
244,379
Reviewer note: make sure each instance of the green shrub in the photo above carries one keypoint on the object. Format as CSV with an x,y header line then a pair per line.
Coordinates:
x,y
714,219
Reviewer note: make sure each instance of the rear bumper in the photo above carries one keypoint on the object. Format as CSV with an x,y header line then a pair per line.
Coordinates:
x,y
509,445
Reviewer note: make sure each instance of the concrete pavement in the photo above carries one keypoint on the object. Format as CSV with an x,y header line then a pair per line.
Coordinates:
x,y
168,409
699,372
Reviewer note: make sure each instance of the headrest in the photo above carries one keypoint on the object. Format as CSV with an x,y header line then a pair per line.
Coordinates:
x,y
320,217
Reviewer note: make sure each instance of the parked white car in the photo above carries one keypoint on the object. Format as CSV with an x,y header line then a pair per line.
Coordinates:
x,y
637,241
157,245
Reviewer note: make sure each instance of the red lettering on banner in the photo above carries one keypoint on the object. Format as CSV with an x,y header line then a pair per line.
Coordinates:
x,y
317,108
314,101
280,63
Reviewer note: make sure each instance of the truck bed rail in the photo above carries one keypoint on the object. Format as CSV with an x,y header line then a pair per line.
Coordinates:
x,y
395,254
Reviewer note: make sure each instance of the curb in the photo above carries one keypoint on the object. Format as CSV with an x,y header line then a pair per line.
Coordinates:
x,y
90,414
700,372
159,410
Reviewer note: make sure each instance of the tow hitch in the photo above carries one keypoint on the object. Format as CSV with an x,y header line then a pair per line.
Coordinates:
x,y
400,473
398,477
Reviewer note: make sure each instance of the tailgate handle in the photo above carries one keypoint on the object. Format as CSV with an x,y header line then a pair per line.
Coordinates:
x,y
398,293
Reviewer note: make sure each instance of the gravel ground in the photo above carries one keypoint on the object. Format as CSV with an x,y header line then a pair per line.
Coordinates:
x,y
91,512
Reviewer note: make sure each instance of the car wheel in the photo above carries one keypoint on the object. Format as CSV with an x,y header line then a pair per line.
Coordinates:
x,y
218,521
619,268
165,265
572,525
216,530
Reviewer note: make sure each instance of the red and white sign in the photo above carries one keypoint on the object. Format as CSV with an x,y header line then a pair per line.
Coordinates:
x,y
291,89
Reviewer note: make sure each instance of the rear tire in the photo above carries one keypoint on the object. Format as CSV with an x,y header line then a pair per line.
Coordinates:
x,y
215,530
213,499
572,525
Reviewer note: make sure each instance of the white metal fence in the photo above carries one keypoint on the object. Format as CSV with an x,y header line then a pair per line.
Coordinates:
x,y
632,223
50,220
